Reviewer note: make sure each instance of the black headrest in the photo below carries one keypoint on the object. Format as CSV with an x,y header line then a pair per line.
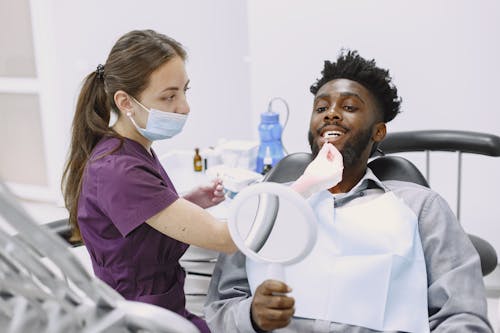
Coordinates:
x,y
385,168
289,168
397,168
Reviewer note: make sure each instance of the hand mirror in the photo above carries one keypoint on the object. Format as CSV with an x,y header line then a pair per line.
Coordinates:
x,y
271,223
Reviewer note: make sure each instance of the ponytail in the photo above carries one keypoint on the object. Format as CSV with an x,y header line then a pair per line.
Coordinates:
x,y
128,67
90,124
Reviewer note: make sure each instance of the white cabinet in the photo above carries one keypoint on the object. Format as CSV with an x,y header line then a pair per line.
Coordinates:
x,y
23,164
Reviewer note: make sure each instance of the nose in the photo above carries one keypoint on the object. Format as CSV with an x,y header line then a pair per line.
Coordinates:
x,y
333,113
183,107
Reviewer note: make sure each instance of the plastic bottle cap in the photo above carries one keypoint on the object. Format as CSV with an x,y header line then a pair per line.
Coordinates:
x,y
269,117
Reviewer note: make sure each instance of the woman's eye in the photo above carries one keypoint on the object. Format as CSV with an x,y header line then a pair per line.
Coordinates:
x,y
186,89
170,98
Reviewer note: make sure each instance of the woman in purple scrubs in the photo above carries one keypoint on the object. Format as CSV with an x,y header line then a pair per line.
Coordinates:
x,y
121,201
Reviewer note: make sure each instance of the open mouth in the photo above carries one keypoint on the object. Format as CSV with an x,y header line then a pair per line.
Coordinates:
x,y
331,136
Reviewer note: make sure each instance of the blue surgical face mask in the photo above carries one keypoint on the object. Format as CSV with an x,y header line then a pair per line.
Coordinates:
x,y
160,125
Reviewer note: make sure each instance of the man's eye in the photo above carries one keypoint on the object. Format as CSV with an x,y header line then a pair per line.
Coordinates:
x,y
321,109
350,108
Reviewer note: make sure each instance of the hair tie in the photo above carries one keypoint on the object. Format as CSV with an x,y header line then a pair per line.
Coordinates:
x,y
100,71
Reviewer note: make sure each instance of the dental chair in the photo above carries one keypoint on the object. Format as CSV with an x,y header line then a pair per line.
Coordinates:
x,y
459,142
44,288
399,168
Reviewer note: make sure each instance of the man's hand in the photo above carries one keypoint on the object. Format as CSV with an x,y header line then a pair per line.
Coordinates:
x,y
324,172
271,308
207,196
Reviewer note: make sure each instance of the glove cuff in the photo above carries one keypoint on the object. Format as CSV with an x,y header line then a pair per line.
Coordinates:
x,y
303,186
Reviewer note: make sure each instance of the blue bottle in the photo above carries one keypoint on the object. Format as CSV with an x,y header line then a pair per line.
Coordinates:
x,y
270,131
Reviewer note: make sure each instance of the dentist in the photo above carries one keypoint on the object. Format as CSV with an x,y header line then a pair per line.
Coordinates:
x,y
121,201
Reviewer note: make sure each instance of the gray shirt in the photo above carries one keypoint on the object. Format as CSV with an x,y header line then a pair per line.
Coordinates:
x,y
456,293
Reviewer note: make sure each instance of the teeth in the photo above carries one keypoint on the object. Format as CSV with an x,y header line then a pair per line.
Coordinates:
x,y
331,134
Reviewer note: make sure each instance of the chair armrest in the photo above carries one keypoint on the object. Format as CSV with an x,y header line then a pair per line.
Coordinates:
x,y
63,229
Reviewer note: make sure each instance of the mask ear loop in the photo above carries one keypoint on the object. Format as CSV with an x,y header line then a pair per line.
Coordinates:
x,y
129,114
140,104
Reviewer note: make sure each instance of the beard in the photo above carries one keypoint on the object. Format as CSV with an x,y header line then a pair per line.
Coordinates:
x,y
352,150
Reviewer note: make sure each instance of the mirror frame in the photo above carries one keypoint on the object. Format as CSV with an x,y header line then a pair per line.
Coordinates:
x,y
283,192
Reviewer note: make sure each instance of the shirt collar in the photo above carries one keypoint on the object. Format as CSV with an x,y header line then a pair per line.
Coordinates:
x,y
369,181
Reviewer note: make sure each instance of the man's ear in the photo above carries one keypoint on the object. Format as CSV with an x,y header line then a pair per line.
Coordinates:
x,y
379,132
123,102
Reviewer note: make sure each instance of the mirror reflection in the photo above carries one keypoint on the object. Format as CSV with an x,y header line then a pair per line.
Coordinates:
x,y
272,223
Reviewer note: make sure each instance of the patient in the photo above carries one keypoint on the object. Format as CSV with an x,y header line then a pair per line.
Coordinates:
x,y
390,255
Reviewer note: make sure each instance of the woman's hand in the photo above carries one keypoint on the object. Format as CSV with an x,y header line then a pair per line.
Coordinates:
x,y
207,196
324,172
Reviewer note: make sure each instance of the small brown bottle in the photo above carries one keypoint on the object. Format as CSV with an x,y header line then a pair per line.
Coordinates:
x,y
197,160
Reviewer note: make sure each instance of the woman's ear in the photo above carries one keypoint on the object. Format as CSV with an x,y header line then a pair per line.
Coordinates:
x,y
123,102
379,132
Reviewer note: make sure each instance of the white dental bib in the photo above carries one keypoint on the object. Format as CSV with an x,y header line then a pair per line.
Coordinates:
x,y
366,269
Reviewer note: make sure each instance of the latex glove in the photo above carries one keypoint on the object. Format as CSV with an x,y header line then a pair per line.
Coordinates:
x,y
324,172
207,196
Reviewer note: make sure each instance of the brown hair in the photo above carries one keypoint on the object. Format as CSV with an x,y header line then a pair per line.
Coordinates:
x,y
130,63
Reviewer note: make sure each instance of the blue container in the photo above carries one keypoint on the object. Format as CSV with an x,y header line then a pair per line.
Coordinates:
x,y
270,131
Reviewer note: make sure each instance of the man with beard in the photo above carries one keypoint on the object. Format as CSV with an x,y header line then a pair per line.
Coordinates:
x,y
390,255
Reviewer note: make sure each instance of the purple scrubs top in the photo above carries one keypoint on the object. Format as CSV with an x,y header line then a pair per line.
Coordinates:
x,y
120,191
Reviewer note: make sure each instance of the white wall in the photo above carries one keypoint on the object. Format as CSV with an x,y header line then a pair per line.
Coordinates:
x,y
443,56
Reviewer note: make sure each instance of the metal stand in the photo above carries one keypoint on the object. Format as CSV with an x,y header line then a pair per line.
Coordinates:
x,y
44,288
